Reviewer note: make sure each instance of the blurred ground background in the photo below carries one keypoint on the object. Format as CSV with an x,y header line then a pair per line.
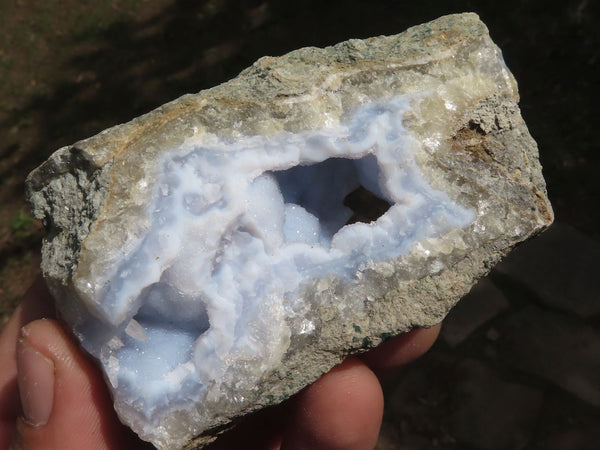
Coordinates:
x,y
518,364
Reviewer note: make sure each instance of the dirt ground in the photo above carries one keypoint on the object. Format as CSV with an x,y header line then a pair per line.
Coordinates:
x,y
69,69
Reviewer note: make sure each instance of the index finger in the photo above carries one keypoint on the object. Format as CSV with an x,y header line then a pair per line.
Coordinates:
x,y
400,350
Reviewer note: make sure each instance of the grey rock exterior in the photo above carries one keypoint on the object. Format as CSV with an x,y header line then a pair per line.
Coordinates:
x,y
91,200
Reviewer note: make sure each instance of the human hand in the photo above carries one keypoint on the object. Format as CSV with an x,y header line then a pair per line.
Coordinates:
x,y
53,396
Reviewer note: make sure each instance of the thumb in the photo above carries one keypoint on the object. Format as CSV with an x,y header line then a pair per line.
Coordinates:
x,y
65,403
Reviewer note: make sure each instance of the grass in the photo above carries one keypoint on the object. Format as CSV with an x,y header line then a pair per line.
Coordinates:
x,y
21,224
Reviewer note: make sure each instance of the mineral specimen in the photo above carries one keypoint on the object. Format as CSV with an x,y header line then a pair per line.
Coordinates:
x,y
223,251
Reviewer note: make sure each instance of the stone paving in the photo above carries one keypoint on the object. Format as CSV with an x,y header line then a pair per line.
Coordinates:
x,y
517,364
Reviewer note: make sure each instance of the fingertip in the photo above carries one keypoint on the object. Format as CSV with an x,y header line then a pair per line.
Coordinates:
x,y
36,383
80,400
400,350
341,410
36,303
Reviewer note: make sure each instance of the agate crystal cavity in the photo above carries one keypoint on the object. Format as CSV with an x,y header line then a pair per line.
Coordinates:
x,y
221,252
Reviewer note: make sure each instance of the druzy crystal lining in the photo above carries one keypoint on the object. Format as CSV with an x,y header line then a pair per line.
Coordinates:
x,y
238,230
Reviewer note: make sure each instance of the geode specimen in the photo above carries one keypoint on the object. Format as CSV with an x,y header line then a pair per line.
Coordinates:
x,y
221,252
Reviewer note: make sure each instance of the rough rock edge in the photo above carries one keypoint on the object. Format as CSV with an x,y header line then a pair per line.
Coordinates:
x,y
68,216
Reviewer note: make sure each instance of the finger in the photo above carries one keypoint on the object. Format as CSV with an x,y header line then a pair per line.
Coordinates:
x,y
400,350
36,303
64,399
258,431
341,410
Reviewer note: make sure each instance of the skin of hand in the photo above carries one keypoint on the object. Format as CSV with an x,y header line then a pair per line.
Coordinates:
x,y
52,395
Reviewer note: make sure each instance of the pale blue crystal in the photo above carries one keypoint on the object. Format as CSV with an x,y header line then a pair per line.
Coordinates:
x,y
238,230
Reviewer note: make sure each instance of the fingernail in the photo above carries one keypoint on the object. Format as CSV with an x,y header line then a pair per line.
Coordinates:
x,y
36,384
